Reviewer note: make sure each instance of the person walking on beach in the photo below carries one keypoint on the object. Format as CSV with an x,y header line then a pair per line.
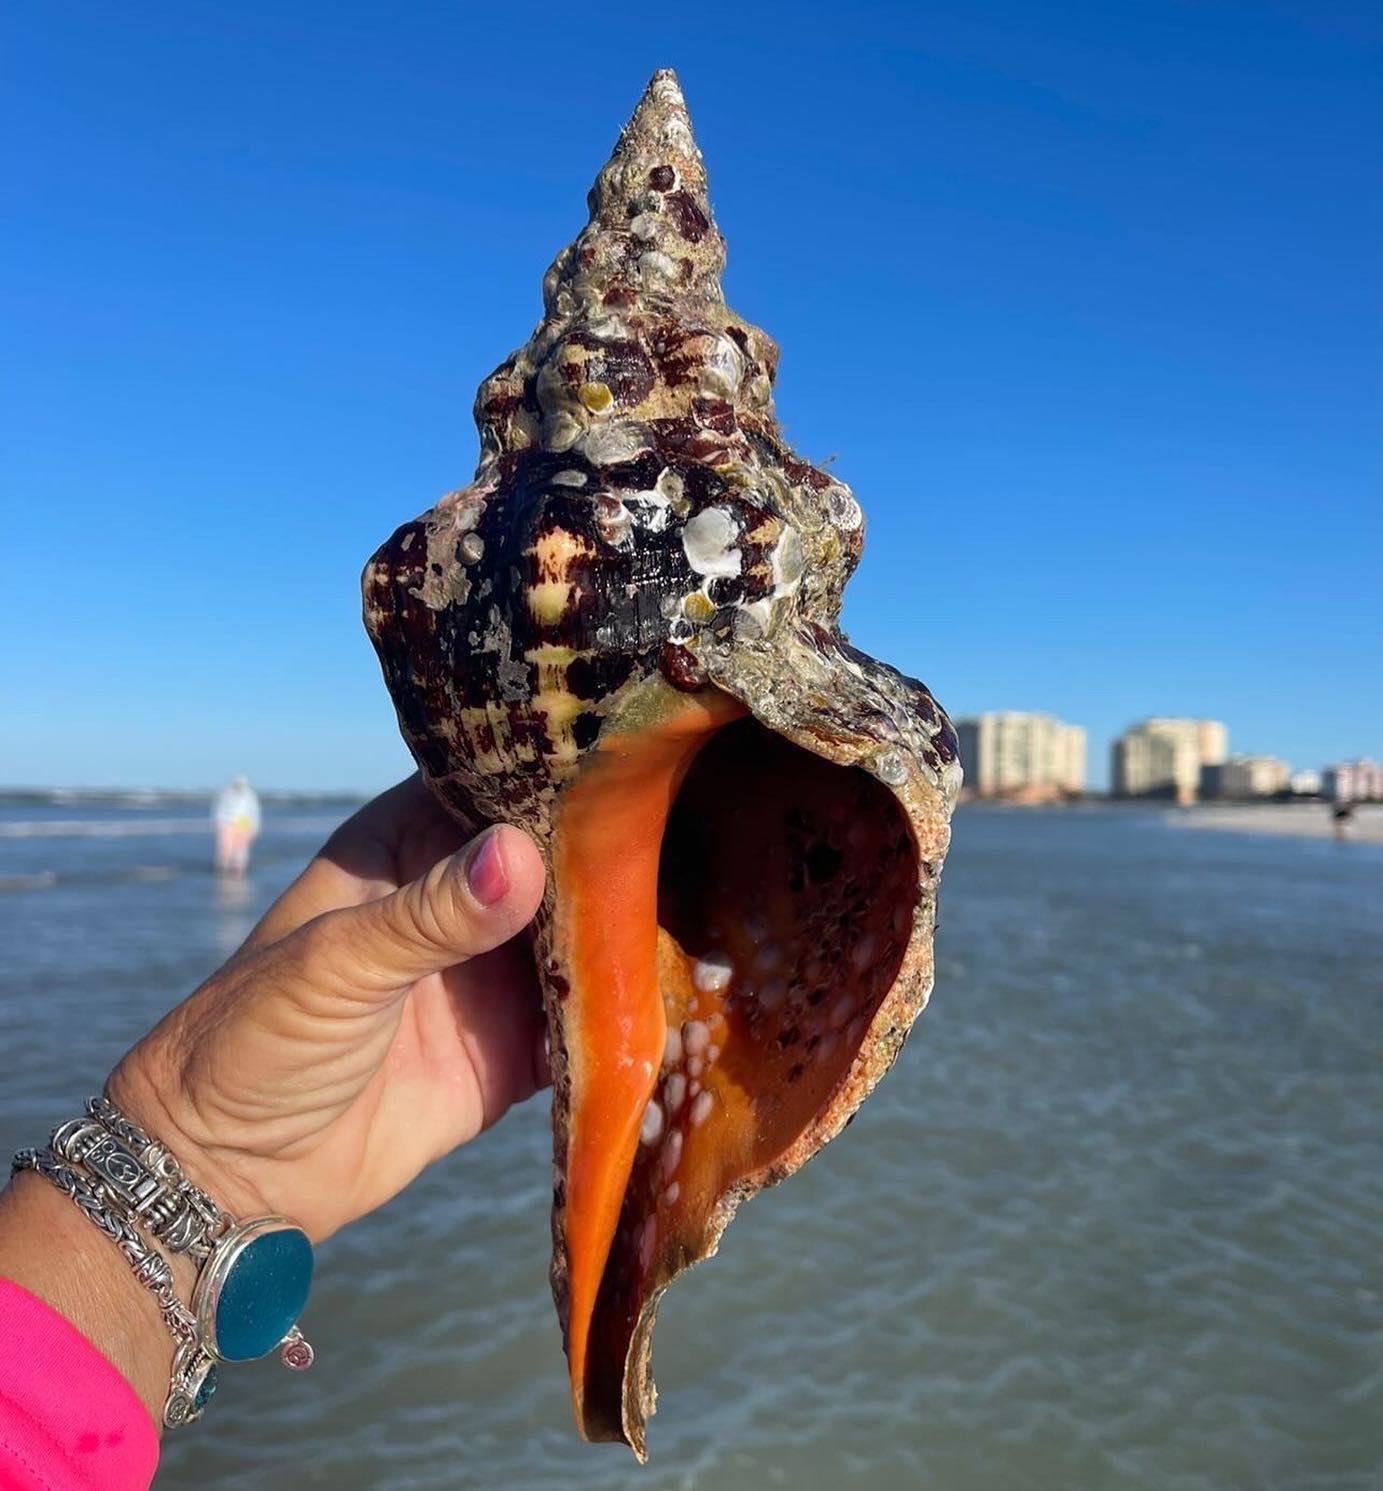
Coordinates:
x,y
236,817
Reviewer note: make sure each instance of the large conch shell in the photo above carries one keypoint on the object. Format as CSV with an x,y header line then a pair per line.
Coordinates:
x,y
623,637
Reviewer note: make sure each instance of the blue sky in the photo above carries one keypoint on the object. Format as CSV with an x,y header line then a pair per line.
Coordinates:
x,y
1085,298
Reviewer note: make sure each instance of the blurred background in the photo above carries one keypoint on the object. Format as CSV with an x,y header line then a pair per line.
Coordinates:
x,y
1085,301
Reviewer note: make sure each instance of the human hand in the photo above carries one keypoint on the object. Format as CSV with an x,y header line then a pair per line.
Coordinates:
x,y
377,1017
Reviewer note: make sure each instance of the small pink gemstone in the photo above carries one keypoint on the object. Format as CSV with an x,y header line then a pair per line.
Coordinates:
x,y
298,1354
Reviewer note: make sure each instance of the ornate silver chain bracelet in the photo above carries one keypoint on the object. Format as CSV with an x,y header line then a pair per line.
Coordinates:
x,y
143,1176
253,1275
147,1264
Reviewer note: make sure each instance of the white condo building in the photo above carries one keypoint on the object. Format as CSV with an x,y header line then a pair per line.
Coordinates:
x,y
1246,777
1163,757
1029,756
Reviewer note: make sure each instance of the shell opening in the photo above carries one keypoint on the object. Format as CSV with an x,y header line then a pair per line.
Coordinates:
x,y
778,912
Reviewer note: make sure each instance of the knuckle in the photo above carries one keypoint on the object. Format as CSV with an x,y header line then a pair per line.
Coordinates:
x,y
314,944
437,913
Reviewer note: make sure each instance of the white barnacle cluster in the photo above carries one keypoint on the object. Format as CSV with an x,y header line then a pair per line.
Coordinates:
x,y
711,543
830,998
844,511
722,368
685,1098
575,405
890,767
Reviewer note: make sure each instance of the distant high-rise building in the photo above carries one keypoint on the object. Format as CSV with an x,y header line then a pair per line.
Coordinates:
x,y
1212,741
1163,757
1305,783
1030,757
1353,781
1241,777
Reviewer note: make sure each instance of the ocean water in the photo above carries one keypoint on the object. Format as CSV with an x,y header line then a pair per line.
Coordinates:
x,y
1115,1219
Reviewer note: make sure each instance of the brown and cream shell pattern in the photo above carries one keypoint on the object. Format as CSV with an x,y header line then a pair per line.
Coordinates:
x,y
622,636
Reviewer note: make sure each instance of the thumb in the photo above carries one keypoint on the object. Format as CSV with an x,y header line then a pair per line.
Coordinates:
x,y
465,905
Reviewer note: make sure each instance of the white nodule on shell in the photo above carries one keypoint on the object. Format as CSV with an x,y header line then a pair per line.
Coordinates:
x,y
773,993
569,479
651,1129
675,1092
695,1066
672,1047
754,619
560,430
712,1054
722,369
696,1036
612,521
651,511
672,1193
648,1240
712,973
677,135
701,1108
645,226
844,510
788,561
693,1087
890,767
610,443
672,1154
657,265
710,543
607,327
468,514
827,1047
840,1011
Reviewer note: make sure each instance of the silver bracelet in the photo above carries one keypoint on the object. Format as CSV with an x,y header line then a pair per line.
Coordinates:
x,y
159,1160
194,1372
152,1182
253,1276
143,1177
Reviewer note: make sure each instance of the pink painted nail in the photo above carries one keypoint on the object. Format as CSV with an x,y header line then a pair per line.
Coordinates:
x,y
486,875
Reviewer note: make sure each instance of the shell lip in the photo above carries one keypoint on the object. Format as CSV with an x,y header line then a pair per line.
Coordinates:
x,y
790,953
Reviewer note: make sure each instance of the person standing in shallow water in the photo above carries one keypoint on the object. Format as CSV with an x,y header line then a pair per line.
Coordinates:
x,y
236,818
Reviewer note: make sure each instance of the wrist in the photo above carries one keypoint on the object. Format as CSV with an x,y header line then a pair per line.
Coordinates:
x,y
50,1249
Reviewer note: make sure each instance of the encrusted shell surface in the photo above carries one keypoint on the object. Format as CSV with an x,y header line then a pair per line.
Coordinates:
x,y
623,637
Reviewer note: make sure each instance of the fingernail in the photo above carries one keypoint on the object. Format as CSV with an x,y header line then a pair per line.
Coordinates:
x,y
485,874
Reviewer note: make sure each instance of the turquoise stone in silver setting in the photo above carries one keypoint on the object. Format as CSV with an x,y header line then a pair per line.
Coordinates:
x,y
207,1389
253,1288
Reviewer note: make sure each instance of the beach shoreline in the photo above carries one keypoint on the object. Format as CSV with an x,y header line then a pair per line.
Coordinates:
x,y
1294,820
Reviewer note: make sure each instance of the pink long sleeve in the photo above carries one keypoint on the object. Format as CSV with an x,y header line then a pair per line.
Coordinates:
x,y
68,1420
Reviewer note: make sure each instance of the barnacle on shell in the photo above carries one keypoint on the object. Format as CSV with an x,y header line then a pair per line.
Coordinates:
x,y
623,637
